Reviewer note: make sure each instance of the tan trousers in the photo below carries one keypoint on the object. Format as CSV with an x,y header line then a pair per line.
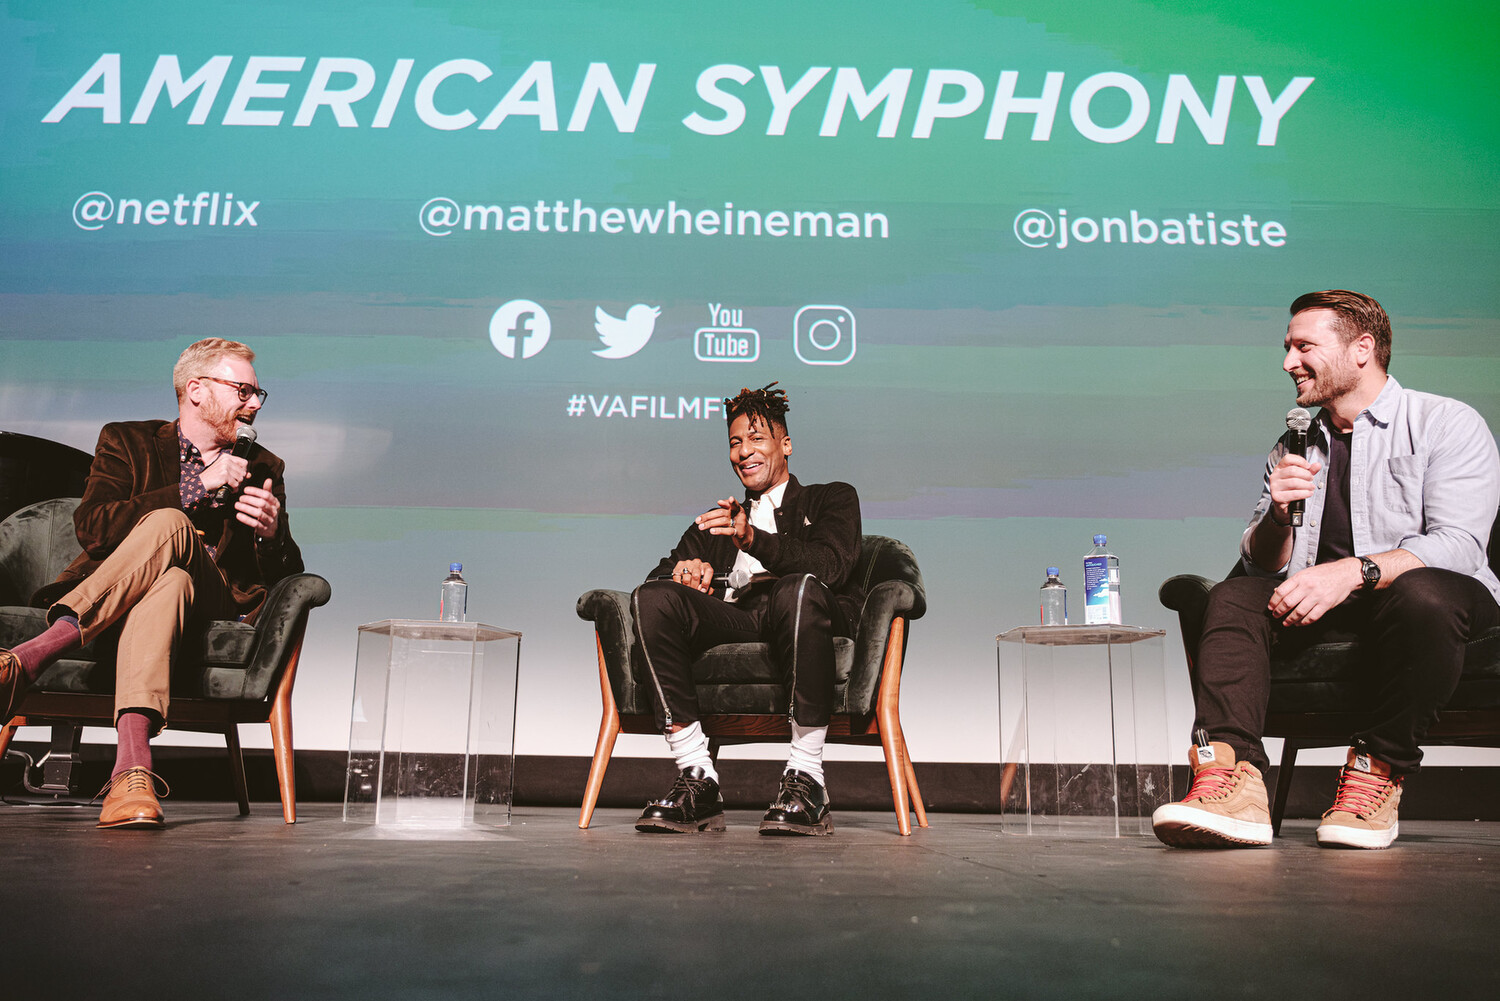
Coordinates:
x,y
158,579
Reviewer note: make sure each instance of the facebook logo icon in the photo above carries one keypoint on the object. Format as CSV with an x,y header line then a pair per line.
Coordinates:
x,y
520,328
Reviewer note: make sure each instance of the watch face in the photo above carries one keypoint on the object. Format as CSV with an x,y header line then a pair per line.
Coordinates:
x,y
1371,570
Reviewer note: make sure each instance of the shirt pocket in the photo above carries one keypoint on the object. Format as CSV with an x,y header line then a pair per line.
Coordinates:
x,y
1403,485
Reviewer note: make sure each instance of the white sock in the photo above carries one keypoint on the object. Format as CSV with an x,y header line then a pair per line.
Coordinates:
x,y
807,751
690,747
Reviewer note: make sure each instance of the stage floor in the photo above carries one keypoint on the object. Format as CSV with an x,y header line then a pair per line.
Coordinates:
x,y
224,907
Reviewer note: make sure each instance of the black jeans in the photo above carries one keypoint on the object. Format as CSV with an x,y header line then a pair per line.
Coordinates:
x,y
798,617
1414,633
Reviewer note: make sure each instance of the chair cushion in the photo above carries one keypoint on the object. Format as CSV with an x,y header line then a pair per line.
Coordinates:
x,y
216,658
740,678
79,674
750,663
19,623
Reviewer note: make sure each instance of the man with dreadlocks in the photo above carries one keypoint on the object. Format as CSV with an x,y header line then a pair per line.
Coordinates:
x,y
800,543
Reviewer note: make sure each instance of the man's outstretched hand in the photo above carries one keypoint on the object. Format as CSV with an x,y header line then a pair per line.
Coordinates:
x,y
729,518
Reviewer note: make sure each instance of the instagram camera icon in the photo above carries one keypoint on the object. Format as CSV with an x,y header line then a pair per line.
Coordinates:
x,y
823,335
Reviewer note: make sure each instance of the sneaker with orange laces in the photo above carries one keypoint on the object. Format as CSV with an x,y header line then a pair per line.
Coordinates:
x,y
1363,814
1225,807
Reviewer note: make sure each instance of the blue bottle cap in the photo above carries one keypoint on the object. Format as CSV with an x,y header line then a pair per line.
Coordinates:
x,y
1052,571
1100,540
455,568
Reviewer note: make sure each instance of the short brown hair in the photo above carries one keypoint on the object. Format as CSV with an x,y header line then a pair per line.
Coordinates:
x,y
1357,314
200,356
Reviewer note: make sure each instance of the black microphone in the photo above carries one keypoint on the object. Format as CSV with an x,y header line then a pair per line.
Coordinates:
x,y
738,578
244,437
1297,423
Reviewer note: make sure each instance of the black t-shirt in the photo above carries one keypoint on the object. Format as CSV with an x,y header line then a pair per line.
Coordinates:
x,y
1336,540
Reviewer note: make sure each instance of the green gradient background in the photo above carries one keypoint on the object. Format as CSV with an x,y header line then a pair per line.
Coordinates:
x,y
1004,403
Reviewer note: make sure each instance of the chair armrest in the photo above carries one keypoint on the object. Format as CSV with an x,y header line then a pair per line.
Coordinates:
x,y
884,602
1187,595
276,626
609,611
1185,591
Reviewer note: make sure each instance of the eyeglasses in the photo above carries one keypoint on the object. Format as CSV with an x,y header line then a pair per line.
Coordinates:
x,y
243,388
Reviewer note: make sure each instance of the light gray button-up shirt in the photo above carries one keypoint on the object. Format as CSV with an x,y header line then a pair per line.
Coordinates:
x,y
1424,476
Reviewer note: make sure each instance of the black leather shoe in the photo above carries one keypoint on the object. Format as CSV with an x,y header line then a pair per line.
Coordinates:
x,y
693,805
801,807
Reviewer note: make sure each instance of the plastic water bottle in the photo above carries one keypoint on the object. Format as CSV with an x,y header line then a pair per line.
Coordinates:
x,y
1054,600
1101,585
453,597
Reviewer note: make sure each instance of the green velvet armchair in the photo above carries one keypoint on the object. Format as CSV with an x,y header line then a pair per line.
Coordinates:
x,y
739,692
228,674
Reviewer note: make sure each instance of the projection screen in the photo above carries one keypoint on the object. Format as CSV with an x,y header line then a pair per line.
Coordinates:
x,y
1023,269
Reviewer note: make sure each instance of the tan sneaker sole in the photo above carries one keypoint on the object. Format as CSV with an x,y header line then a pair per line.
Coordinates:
x,y
1183,826
1337,836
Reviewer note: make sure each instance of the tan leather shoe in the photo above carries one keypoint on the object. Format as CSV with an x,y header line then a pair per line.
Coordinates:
x,y
12,684
131,800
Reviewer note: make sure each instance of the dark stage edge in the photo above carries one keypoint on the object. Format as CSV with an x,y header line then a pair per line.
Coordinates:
x,y
202,773
223,907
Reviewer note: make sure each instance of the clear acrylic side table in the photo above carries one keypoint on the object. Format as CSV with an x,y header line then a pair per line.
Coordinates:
x,y
1079,707
433,727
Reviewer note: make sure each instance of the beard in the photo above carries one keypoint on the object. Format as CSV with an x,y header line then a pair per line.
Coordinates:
x,y
224,421
1337,379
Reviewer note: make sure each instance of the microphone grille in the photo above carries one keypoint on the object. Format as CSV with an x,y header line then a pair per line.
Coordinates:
x,y
739,578
247,433
1298,419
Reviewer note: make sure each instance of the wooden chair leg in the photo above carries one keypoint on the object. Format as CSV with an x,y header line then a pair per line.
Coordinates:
x,y
237,767
281,750
888,714
8,733
1283,783
890,742
609,729
281,731
913,791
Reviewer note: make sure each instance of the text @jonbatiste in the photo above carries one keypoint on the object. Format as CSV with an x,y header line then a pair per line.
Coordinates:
x,y
1038,228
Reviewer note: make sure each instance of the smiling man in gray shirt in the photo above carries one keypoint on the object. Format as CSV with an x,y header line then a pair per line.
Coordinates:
x,y
1400,490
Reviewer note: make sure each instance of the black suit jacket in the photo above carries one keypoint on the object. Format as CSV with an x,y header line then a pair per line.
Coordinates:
x,y
818,531
137,469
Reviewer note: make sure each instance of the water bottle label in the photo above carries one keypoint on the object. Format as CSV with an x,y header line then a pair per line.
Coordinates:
x,y
1096,589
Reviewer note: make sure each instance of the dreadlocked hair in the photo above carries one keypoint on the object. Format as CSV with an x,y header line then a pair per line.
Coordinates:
x,y
767,406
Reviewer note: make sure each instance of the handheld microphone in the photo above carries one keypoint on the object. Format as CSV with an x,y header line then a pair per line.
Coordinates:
x,y
1297,423
244,437
738,578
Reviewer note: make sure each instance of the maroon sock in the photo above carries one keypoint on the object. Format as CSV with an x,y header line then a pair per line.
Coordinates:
x,y
36,655
133,730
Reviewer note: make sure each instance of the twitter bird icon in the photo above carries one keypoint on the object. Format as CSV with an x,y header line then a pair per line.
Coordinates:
x,y
624,337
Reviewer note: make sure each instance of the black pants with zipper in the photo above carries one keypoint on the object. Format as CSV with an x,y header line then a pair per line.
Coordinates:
x,y
797,616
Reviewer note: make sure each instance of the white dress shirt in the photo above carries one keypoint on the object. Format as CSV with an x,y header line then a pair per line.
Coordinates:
x,y
763,517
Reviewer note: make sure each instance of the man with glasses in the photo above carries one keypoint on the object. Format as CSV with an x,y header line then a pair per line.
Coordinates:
x,y
176,530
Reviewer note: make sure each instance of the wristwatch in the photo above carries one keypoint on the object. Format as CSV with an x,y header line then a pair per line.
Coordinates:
x,y
1371,571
